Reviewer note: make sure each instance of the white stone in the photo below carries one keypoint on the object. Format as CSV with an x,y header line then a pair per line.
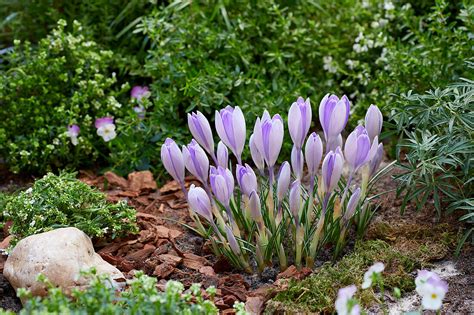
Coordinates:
x,y
60,255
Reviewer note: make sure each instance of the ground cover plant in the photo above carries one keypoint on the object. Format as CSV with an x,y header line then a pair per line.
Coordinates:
x,y
257,218
56,201
141,297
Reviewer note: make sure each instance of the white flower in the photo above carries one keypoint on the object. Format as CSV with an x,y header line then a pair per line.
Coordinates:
x,y
329,65
373,271
374,24
107,132
388,6
343,303
431,288
433,294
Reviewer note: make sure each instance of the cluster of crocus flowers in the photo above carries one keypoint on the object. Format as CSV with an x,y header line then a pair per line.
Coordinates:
x,y
277,210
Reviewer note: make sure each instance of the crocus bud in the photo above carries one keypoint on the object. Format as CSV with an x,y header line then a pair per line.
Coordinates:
x,y
73,133
246,178
222,184
313,153
172,159
295,198
332,170
196,161
199,202
284,178
257,156
201,131
297,162
299,121
139,92
234,245
230,126
333,115
255,208
222,155
352,205
373,121
357,148
376,160
269,137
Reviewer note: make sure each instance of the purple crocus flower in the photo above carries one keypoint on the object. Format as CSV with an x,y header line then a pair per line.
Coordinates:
x,y
234,245
199,202
106,128
295,199
246,178
299,121
222,184
196,161
284,178
268,134
230,126
333,115
222,155
297,161
139,92
373,122
73,133
332,170
313,153
376,158
173,161
352,205
257,156
255,207
201,131
357,148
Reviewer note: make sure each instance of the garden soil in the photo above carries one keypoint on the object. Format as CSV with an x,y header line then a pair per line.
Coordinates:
x,y
167,249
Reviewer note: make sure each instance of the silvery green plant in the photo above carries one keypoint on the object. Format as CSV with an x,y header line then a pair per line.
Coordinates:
x,y
283,215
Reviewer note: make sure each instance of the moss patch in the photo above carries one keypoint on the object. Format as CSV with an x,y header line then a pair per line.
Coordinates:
x,y
403,248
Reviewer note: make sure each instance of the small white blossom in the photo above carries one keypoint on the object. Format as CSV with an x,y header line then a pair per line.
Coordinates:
x,y
388,5
107,132
373,271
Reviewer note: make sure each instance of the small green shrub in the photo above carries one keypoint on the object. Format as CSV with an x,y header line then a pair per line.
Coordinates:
x,y
437,143
63,81
141,297
61,200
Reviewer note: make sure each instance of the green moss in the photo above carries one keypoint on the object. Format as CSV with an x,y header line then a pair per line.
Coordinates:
x,y
318,292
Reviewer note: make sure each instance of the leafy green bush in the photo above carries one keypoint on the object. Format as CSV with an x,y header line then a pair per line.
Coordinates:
x,y
141,297
65,80
61,200
437,143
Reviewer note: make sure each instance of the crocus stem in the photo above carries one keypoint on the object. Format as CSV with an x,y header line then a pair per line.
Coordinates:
x,y
282,258
299,244
269,201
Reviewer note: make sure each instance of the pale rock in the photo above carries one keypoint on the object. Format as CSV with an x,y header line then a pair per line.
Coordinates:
x,y
60,255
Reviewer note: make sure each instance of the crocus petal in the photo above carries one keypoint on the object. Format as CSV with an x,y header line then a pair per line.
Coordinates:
x,y
234,245
297,162
352,205
332,170
313,153
284,178
295,198
257,157
240,130
199,202
254,205
373,121
196,161
222,155
201,131
172,159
